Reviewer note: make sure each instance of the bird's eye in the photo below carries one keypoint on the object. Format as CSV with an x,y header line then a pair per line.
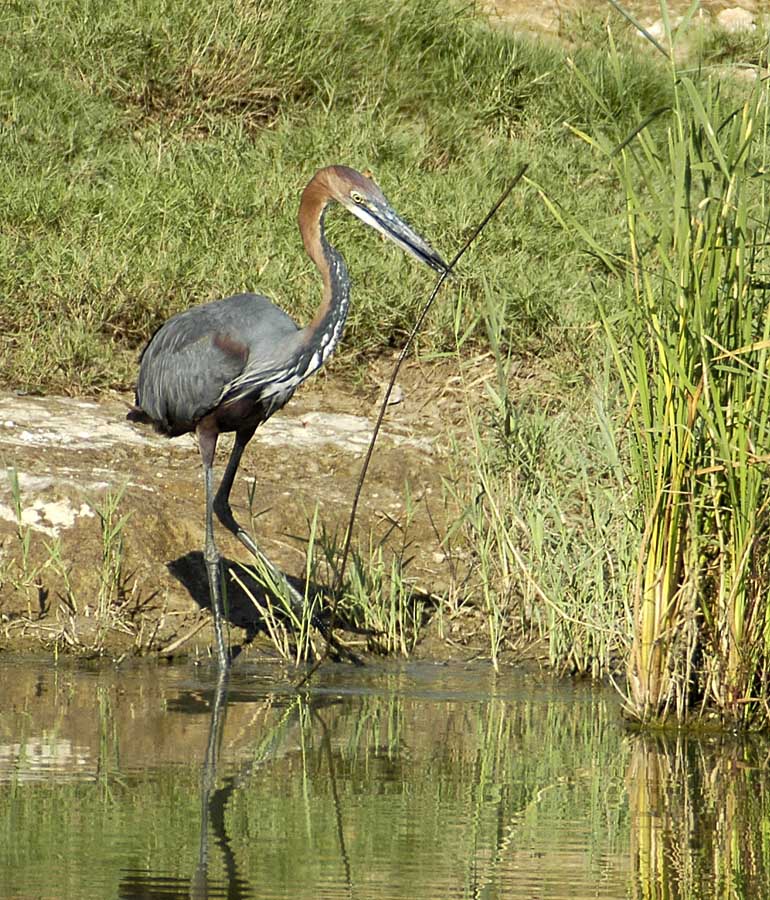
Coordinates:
x,y
356,197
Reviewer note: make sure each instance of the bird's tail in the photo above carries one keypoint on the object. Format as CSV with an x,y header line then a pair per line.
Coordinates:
x,y
136,414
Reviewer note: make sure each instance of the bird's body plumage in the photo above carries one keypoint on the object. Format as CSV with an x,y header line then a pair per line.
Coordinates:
x,y
240,355
230,364
196,359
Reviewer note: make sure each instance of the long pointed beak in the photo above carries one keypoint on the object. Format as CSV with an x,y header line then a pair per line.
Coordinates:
x,y
393,227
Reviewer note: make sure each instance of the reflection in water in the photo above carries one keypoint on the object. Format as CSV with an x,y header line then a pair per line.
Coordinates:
x,y
700,817
213,802
409,782
327,746
138,885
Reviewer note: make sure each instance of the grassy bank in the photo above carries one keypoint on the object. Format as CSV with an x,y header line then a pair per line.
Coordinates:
x,y
154,158
671,574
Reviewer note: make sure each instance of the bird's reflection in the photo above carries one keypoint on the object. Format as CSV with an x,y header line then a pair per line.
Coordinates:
x,y
327,746
213,803
137,885
215,794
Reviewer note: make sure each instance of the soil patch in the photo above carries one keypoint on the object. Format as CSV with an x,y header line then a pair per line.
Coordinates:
x,y
70,456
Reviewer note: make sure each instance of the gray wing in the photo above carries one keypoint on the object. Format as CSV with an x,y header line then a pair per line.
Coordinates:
x,y
188,364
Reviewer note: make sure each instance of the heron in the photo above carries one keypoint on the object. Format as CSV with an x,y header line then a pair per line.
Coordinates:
x,y
228,365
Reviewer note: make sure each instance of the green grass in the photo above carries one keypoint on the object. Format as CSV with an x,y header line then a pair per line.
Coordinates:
x,y
543,506
153,159
375,605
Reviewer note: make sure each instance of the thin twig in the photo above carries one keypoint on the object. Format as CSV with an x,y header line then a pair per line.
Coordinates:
x,y
384,405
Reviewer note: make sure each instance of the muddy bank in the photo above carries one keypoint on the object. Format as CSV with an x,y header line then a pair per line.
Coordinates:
x,y
73,457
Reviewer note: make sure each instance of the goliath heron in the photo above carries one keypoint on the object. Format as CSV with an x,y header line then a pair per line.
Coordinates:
x,y
230,364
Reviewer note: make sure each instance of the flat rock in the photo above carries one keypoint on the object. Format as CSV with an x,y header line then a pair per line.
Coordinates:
x,y
736,19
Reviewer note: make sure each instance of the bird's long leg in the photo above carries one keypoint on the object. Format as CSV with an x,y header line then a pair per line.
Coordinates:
x,y
207,442
226,517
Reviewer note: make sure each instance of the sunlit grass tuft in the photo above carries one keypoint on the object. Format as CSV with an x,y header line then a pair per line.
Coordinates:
x,y
375,606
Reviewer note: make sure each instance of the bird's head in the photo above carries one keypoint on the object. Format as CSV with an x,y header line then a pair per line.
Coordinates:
x,y
361,196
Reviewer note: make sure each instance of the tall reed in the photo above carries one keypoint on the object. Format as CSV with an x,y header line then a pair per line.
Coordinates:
x,y
692,354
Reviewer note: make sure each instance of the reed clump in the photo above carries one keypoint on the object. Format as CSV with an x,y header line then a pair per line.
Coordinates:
x,y
691,349
697,385
637,537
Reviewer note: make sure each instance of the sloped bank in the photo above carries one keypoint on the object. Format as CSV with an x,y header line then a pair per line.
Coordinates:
x,y
96,511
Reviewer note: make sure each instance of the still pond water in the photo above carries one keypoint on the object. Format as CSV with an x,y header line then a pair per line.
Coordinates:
x,y
417,781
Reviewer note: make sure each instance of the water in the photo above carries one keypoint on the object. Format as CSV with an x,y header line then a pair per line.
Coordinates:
x,y
417,781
